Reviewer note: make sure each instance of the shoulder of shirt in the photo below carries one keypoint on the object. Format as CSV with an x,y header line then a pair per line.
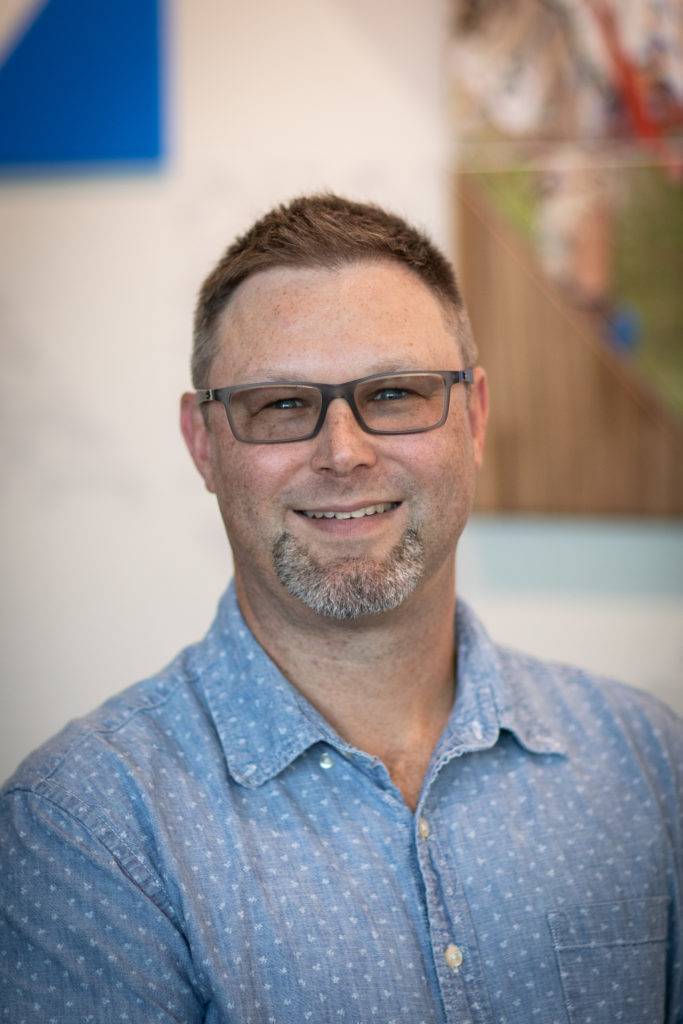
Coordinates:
x,y
90,782
584,706
107,728
573,677
572,702
138,709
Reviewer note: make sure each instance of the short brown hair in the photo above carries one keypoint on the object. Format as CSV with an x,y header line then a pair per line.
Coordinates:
x,y
323,231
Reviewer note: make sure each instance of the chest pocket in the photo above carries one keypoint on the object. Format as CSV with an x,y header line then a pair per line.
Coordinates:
x,y
612,960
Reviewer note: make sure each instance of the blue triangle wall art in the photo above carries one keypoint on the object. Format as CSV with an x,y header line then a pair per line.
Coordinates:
x,y
82,84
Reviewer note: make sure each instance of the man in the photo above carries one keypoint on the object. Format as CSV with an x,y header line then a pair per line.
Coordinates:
x,y
346,804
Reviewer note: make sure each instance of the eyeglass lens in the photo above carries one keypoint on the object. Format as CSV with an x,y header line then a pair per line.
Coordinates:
x,y
395,404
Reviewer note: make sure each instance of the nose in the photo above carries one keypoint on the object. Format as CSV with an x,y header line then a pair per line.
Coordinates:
x,y
342,445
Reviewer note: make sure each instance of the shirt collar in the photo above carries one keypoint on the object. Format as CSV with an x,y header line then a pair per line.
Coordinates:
x,y
498,691
264,723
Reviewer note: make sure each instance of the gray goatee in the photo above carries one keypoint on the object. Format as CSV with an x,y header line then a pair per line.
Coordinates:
x,y
350,587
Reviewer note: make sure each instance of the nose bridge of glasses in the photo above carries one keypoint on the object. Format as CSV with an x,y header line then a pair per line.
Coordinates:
x,y
333,392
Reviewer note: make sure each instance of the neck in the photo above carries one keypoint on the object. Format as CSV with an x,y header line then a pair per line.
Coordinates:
x,y
385,683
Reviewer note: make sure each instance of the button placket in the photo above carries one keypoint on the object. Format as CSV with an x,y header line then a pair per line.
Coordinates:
x,y
439,874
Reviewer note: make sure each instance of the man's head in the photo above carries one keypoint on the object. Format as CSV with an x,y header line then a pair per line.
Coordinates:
x,y
323,231
348,510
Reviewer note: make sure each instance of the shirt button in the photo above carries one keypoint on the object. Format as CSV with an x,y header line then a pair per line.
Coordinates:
x,y
326,761
453,956
423,827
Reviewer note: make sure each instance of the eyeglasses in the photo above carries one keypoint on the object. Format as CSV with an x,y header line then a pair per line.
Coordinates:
x,y
396,403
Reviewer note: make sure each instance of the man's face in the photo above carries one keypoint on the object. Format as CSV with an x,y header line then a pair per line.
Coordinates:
x,y
286,506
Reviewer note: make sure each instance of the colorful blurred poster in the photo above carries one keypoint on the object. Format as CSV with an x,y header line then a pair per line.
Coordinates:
x,y
569,114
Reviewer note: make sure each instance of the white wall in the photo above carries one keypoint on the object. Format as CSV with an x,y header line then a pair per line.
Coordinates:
x,y
113,556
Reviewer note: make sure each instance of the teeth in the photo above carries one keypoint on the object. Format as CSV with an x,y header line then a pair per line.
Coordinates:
x,y
369,510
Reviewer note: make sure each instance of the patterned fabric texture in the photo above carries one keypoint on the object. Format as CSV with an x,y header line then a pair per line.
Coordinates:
x,y
204,847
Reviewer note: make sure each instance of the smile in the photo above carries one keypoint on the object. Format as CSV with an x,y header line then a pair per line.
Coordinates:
x,y
358,513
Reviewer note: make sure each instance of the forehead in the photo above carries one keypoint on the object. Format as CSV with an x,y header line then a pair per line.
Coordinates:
x,y
360,317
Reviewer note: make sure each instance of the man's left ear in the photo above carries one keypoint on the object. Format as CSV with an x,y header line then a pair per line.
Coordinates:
x,y
197,437
478,413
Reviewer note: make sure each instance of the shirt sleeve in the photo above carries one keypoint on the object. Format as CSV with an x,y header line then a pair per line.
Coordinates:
x,y
79,939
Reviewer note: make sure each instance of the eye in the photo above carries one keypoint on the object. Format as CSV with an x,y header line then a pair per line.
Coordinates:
x,y
388,394
269,400
286,403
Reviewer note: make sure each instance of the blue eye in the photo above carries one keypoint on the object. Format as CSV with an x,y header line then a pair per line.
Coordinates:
x,y
389,394
286,403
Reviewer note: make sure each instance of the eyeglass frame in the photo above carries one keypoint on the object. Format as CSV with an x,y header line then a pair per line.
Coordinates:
x,y
328,392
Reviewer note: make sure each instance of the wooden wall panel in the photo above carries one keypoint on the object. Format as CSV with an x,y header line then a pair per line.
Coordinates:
x,y
573,428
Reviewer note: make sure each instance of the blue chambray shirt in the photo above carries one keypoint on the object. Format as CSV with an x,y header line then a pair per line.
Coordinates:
x,y
204,847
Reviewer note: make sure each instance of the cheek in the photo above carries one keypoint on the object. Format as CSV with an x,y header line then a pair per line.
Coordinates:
x,y
455,475
249,480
